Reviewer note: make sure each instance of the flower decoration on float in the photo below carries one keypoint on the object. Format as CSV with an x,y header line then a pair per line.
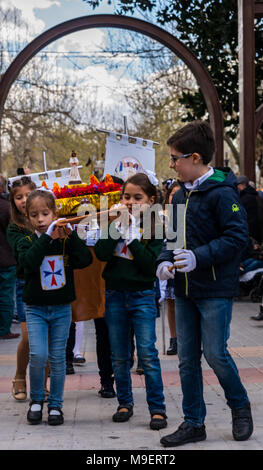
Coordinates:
x,y
70,197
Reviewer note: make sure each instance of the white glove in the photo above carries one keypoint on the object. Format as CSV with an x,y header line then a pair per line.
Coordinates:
x,y
130,232
162,285
162,271
52,226
185,260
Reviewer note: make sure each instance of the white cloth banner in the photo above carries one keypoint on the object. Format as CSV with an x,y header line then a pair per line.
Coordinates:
x,y
124,158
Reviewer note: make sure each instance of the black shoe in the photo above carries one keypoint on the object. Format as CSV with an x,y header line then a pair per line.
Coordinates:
x,y
35,417
55,419
257,317
79,360
184,434
107,391
70,369
172,350
122,416
242,423
158,423
139,369
260,314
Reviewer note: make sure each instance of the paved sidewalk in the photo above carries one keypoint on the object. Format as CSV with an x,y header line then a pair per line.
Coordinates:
x,y
88,424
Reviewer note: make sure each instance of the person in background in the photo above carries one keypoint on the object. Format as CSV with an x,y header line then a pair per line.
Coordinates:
x,y
249,199
169,291
7,270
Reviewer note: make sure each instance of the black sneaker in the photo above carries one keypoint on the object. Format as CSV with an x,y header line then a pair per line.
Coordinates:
x,y
242,423
123,416
158,423
184,434
172,350
107,391
55,416
34,414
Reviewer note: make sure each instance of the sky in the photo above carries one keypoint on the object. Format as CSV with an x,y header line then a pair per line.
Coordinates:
x,y
44,14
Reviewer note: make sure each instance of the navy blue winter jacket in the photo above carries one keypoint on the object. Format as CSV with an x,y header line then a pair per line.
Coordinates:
x,y
216,230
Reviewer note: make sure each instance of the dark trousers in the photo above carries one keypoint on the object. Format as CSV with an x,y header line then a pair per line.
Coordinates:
x,y
71,344
103,351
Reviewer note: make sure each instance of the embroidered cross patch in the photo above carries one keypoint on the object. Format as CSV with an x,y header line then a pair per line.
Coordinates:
x,y
52,272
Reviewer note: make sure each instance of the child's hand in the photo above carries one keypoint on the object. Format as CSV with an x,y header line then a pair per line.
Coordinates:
x,y
55,231
163,272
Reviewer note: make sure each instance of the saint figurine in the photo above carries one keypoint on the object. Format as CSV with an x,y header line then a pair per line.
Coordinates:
x,y
74,176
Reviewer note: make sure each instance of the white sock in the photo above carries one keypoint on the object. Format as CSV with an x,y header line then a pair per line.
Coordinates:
x,y
54,412
35,407
78,338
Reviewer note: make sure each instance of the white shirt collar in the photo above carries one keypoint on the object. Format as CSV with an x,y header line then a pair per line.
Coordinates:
x,y
189,186
38,233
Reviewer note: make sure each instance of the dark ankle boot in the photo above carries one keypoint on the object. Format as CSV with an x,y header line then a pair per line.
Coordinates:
x,y
172,350
259,316
242,423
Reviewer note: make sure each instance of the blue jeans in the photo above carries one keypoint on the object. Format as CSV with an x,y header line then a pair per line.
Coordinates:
x,y
138,309
48,330
205,323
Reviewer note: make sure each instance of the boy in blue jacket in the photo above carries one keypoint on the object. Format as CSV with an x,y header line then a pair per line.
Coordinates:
x,y
215,234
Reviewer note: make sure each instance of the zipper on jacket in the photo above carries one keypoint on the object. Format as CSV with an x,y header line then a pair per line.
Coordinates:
x,y
185,274
185,209
214,272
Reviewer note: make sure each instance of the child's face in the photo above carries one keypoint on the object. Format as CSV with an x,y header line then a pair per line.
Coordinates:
x,y
186,168
40,216
20,198
134,194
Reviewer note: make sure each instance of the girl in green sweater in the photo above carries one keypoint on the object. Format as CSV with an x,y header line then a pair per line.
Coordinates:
x,y
130,298
48,257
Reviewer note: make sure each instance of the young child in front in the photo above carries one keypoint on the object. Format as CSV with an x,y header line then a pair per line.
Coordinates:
x,y
205,279
130,300
48,257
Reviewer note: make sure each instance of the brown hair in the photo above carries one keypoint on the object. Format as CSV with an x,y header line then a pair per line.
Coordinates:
x,y
46,195
142,180
16,216
197,136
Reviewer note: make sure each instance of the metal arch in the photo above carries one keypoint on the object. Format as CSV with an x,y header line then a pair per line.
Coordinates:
x,y
117,21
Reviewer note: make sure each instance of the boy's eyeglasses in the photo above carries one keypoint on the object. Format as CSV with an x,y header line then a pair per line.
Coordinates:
x,y
177,157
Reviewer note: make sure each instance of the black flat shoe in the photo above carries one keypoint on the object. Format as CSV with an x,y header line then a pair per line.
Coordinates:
x,y
70,369
158,423
184,434
56,418
242,423
122,416
107,391
172,350
79,360
35,416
